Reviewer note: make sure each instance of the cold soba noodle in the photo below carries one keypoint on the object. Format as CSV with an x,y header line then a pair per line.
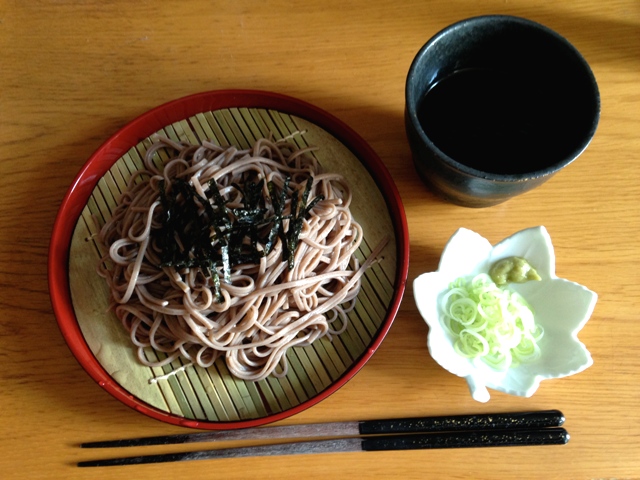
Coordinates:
x,y
240,254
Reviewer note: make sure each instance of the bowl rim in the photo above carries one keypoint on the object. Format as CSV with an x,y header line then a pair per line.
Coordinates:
x,y
411,106
142,127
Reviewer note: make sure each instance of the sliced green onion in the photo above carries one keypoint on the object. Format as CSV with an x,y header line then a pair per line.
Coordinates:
x,y
463,310
489,322
471,344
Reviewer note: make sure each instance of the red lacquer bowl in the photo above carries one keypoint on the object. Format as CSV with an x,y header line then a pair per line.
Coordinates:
x,y
210,398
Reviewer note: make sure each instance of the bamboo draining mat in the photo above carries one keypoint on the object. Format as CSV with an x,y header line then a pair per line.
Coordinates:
x,y
213,395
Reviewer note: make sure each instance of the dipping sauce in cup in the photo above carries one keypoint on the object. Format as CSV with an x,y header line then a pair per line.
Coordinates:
x,y
496,105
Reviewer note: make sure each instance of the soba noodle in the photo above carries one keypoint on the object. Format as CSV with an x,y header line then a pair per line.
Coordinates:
x,y
250,313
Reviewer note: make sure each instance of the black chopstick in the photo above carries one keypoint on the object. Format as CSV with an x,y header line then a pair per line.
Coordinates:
x,y
452,439
456,431
452,423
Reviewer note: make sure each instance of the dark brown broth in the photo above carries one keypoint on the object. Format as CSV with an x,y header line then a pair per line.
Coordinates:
x,y
495,121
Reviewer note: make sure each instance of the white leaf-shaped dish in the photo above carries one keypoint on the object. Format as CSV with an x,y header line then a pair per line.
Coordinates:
x,y
561,307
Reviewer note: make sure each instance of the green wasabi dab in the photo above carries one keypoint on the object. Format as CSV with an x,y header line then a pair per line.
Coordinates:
x,y
512,270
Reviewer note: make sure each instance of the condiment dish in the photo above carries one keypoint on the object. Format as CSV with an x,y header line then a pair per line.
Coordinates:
x,y
560,307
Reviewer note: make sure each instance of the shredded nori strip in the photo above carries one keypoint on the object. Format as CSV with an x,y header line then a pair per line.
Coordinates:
x,y
299,212
205,233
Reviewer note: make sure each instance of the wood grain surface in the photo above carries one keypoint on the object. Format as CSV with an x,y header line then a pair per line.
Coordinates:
x,y
73,72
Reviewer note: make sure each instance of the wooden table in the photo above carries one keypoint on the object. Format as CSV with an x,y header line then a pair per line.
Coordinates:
x,y
72,73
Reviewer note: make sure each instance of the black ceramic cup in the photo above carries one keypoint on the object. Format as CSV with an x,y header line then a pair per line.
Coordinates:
x,y
496,105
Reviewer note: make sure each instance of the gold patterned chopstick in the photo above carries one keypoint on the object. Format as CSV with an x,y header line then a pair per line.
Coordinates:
x,y
456,439
455,431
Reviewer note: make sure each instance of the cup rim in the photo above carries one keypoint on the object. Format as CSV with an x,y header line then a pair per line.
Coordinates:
x,y
411,106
